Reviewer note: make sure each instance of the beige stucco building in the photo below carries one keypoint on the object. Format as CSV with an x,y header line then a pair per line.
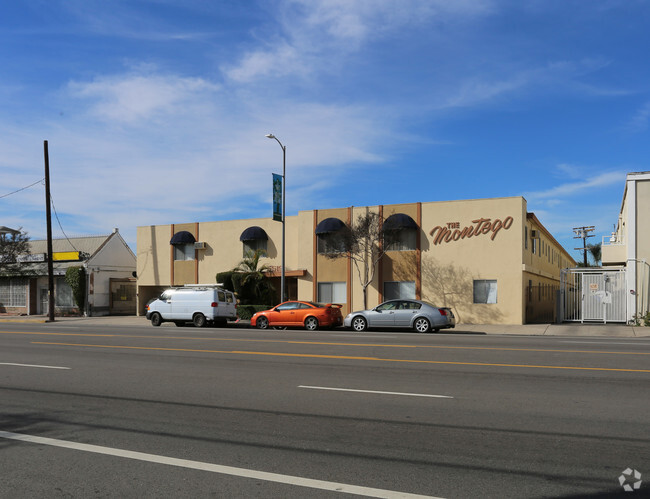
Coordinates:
x,y
488,259
629,244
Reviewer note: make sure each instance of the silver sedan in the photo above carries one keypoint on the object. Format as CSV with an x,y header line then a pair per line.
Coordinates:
x,y
414,314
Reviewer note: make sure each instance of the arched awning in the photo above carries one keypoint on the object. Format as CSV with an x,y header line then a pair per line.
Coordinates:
x,y
254,233
182,237
328,226
399,221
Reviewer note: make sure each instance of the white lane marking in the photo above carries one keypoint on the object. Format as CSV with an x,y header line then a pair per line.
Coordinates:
x,y
31,365
375,391
216,468
628,343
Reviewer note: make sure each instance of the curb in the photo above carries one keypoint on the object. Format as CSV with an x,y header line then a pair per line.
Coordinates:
x,y
566,329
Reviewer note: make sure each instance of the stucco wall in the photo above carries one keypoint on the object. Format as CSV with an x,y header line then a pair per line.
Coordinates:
x,y
459,242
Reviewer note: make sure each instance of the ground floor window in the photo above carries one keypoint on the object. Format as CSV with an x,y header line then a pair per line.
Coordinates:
x,y
332,292
394,290
485,291
13,292
63,293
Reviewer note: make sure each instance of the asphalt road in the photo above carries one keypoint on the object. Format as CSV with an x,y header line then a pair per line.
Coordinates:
x,y
185,412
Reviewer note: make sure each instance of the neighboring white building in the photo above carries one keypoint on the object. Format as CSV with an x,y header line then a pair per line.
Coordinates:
x,y
110,277
629,244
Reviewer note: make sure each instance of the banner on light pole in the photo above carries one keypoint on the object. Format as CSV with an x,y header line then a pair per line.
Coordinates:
x,y
277,197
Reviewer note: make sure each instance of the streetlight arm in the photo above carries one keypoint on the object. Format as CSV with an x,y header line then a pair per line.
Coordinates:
x,y
271,136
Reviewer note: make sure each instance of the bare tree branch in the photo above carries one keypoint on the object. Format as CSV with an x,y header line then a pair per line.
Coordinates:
x,y
364,243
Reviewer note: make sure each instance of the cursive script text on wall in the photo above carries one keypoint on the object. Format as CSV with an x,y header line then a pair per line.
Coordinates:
x,y
481,226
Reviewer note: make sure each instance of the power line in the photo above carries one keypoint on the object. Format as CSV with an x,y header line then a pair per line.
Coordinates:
x,y
59,221
51,201
23,188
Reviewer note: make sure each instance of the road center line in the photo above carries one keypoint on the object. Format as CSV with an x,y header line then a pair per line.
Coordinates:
x,y
628,343
335,343
343,357
376,391
214,468
30,365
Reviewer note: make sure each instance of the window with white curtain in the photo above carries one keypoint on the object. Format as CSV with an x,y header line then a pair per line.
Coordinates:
x,y
332,292
485,291
394,290
13,292
63,293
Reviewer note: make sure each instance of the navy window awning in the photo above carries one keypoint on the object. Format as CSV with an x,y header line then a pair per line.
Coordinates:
x,y
254,233
182,237
399,221
328,226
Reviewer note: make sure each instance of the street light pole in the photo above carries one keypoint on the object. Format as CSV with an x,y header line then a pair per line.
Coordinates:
x,y
284,184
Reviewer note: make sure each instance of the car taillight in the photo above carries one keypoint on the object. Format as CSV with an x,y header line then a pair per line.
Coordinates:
x,y
328,311
442,311
214,304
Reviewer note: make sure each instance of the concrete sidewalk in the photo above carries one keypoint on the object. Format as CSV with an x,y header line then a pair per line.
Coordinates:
x,y
566,329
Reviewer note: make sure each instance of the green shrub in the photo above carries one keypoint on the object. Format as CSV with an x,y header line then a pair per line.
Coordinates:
x,y
225,278
245,312
75,277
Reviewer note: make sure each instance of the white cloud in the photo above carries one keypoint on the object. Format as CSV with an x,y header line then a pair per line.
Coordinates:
x,y
314,34
564,191
136,97
639,122
277,62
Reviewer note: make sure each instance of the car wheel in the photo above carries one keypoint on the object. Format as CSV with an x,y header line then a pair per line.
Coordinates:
x,y
421,325
199,320
156,319
359,324
311,324
262,323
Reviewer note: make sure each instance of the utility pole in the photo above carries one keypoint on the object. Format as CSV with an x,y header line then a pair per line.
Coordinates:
x,y
583,233
48,216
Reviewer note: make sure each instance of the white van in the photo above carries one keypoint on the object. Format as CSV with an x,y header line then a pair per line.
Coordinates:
x,y
202,304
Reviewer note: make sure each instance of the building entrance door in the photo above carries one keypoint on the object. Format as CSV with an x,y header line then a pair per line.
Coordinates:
x,y
43,301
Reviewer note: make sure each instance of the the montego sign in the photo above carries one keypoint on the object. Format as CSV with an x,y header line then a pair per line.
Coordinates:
x,y
451,231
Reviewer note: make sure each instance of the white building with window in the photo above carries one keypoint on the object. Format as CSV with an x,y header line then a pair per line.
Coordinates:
x,y
628,247
488,259
109,267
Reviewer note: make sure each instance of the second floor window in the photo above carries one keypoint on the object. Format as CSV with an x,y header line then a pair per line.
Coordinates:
x,y
184,252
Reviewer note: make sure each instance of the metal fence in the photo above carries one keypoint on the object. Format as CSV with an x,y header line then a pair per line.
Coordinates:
x,y
593,295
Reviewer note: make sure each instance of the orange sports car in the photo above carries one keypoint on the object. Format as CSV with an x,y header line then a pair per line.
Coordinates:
x,y
305,314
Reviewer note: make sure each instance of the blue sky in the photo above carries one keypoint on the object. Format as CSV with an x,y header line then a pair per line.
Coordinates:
x,y
156,111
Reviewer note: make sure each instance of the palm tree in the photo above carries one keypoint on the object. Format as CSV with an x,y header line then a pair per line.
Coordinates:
x,y
254,285
596,253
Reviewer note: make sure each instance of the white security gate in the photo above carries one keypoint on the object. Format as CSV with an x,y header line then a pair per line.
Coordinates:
x,y
593,295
